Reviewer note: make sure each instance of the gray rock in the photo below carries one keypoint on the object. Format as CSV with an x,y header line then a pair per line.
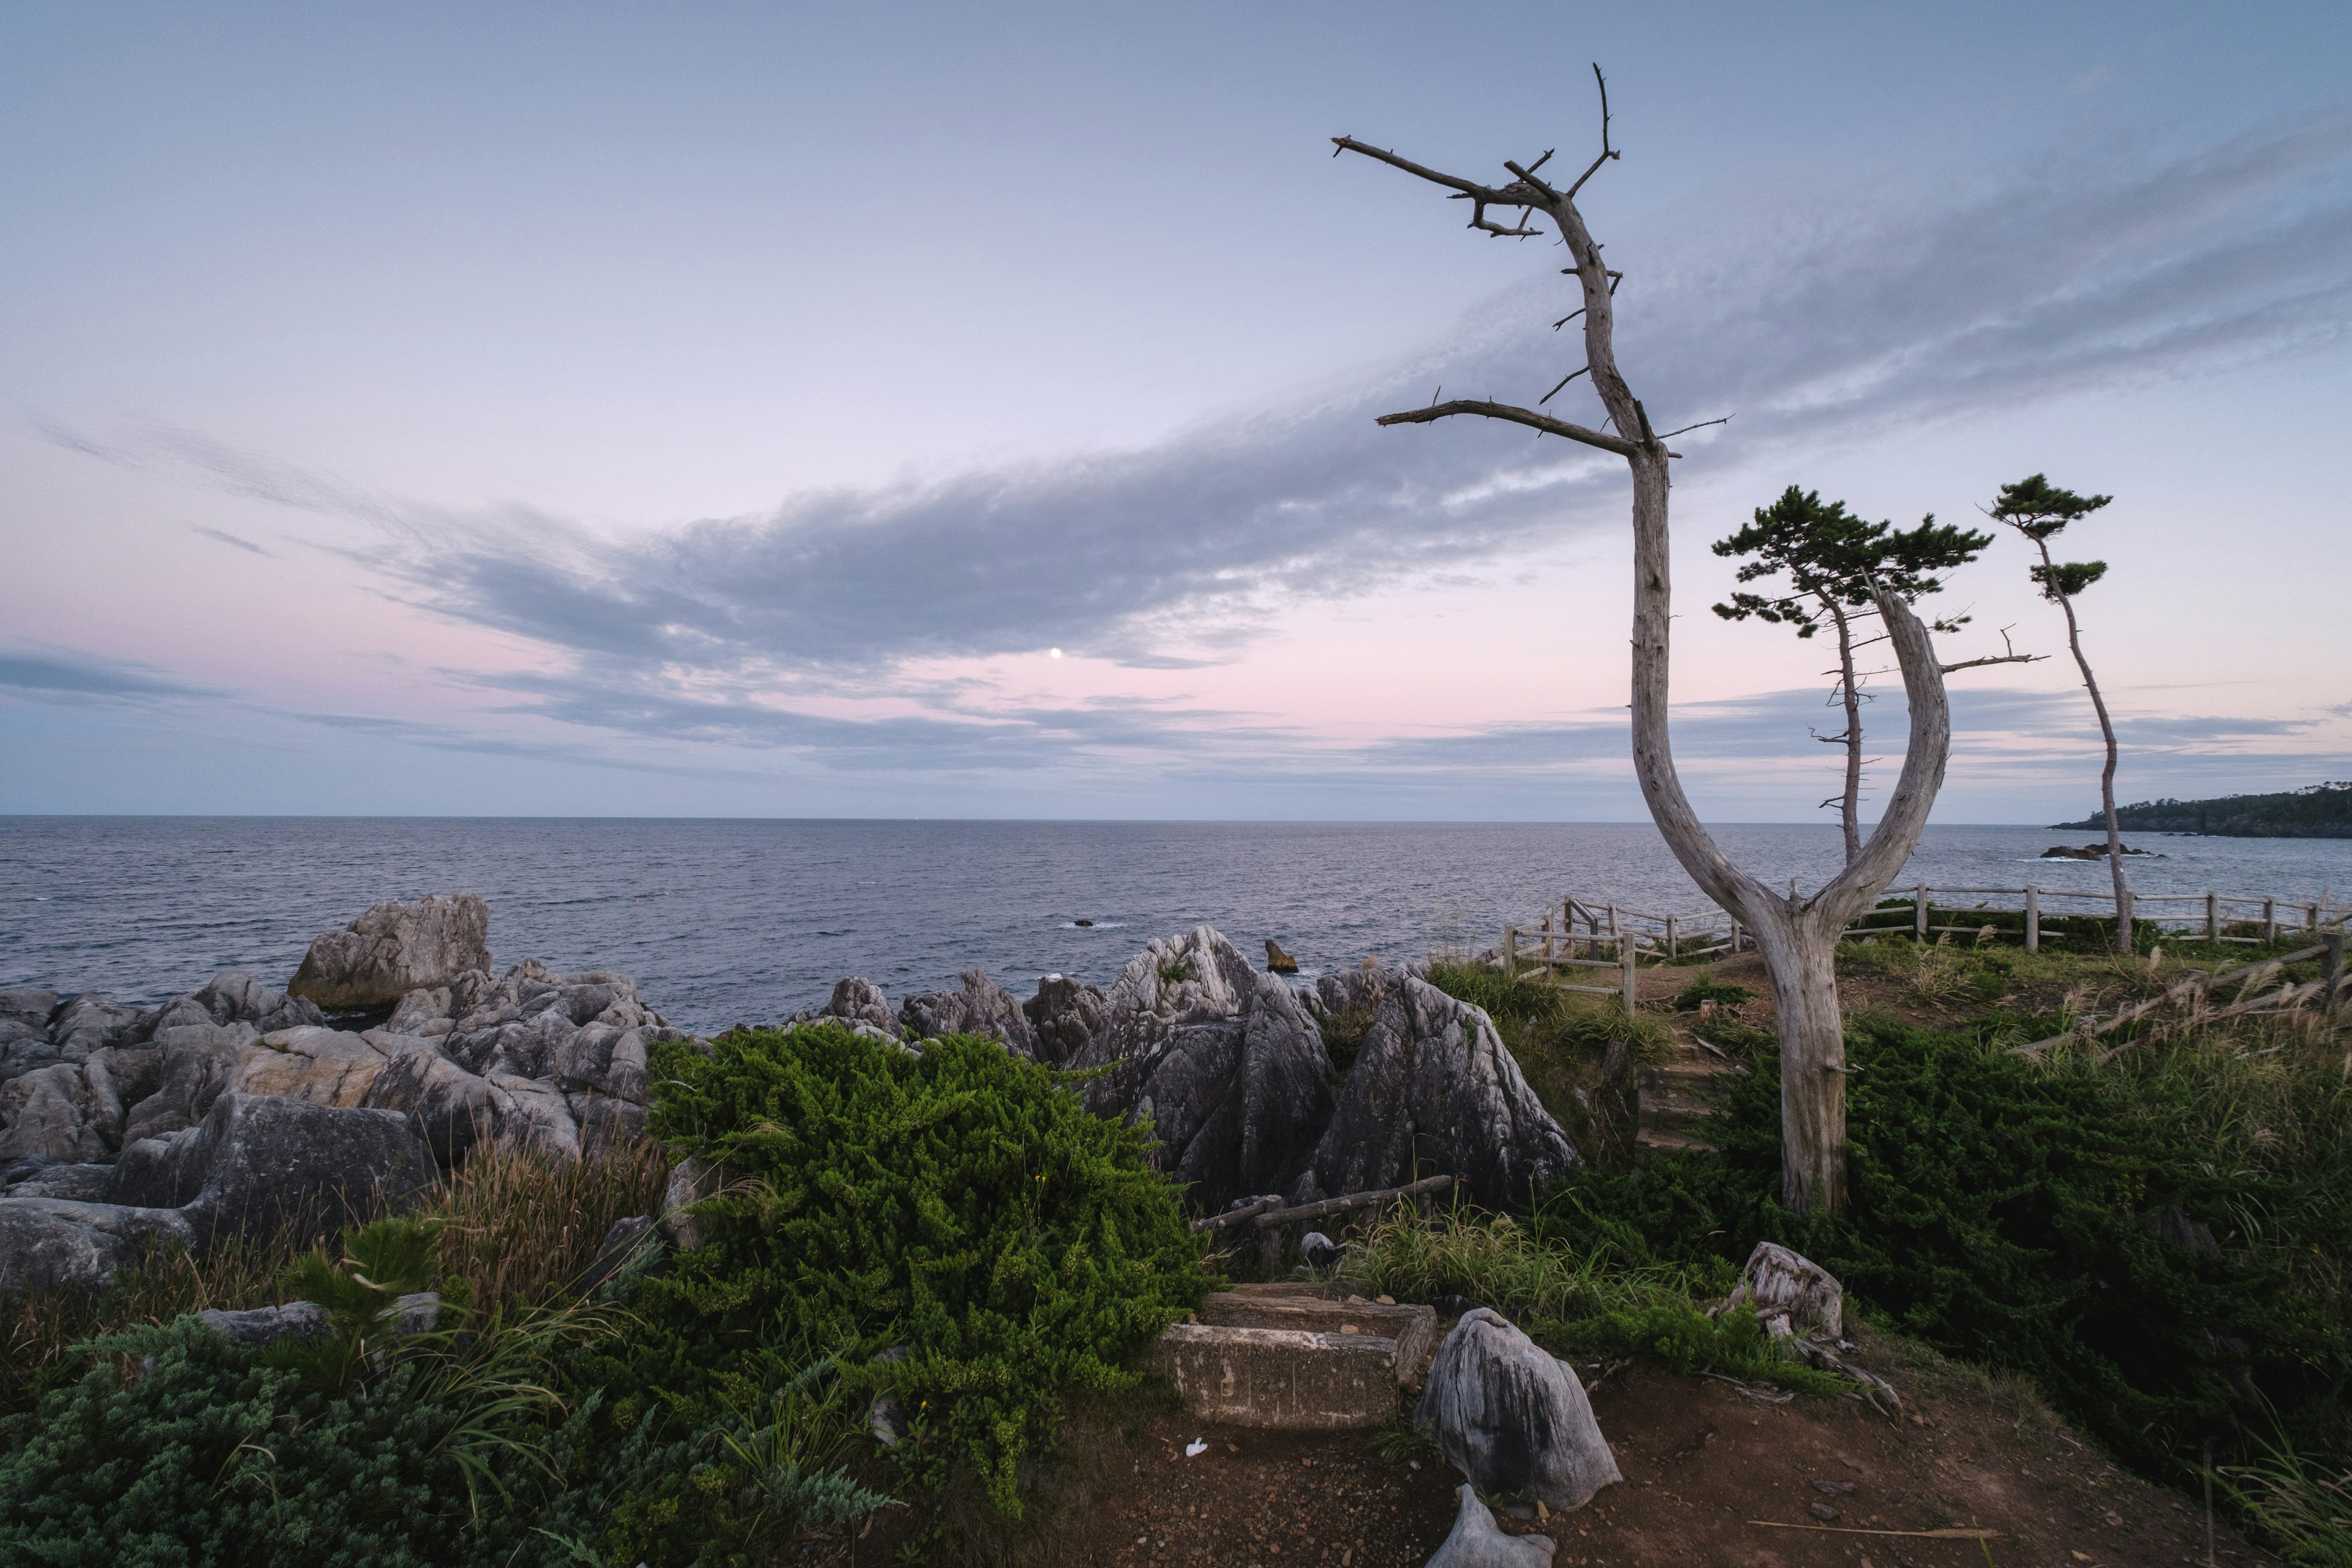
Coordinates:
x,y
418,1313
1790,1292
2172,1224
197,1061
1478,1542
604,1058
691,1183
628,1240
861,1002
606,1124
982,1007
258,1162
29,1007
63,1113
303,1320
1432,1091
1065,1016
420,1010
537,1117
1511,1417
88,1023
48,1242
450,1107
393,949
24,1049
81,1183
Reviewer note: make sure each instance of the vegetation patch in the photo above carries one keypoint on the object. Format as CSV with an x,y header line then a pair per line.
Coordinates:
x,y
1699,993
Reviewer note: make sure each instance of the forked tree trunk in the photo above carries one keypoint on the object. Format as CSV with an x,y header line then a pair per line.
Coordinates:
x,y
1797,936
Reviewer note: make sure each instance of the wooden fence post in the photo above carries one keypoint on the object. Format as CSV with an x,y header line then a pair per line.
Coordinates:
x,y
1735,935
1919,915
2033,920
1510,952
1674,947
2331,969
1632,987
2213,917
1548,946
2270,920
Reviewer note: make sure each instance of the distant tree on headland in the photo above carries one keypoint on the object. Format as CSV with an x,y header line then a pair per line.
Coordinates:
x,y
2314,811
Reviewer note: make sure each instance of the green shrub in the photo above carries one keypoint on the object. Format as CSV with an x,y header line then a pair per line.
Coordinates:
x,y
2013,1215
1723,993
959,1202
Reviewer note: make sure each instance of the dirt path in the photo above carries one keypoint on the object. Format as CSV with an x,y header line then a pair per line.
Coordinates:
x,y
1702,1462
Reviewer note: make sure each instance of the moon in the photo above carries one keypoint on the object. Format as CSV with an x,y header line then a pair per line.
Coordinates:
x,y
1053,653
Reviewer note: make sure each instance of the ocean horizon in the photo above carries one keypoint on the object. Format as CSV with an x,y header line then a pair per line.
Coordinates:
x,y
745,920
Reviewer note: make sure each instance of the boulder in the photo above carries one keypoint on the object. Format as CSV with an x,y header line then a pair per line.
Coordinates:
x,y
393,949
691,1183
257,1161
606,1124
303,1320
1478,1542
1511,1417
1431,1090
88,1023
536,1116
860,1001
451,1109
1790,1292
27,1006
81,1183
196,1062
1063,1017
232,996
1278,961
423,1013
629,1240
606,1059
48,1242
64,1113
982,1008
24,1042
325,1067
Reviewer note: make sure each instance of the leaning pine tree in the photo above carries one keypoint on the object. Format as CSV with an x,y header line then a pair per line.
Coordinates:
x,y
2041,511
1796,936
1837,564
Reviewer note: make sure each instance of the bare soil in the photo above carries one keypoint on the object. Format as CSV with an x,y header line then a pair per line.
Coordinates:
x,y
1716,1477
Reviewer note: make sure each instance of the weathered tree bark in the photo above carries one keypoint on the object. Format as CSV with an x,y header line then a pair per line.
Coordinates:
x,y
1850,806
1797,937
2106,774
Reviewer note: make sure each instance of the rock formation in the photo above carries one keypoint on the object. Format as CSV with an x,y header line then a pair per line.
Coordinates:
x,y
1511,1417
394,949
982,1008
1478,1542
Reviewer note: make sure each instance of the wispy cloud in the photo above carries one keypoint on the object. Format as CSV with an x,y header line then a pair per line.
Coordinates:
x,y
2090,269
70,674
230,539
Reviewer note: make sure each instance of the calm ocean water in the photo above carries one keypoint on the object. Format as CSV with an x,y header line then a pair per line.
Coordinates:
x,y
727,921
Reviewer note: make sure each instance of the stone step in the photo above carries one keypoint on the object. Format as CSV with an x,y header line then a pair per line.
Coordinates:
x,y
1650,1141
1295,1361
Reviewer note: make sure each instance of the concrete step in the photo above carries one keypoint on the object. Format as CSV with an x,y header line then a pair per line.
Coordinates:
x,y
1296,1362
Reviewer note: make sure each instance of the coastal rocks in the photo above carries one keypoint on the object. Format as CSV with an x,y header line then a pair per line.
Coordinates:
x,y
1478,1542
394,949
1432,1089
47,1243
690,1181
1278,961
255,1162
63,1113
1064,1016
859,1001
81,1183
195,1063
982,1008
1511,1417
323,1066
450,1107
302,1321
2087,852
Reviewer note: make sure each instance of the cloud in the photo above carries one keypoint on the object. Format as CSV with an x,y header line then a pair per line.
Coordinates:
x,y
230,539
2093,268
71,674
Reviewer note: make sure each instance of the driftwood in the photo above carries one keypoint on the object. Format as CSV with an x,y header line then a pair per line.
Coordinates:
x,y
1269,1213
1856,1529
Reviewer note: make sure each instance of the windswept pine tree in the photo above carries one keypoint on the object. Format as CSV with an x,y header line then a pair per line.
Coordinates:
x,y
1835,565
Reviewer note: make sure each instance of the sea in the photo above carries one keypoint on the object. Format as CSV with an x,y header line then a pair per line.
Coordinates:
x,y
745,922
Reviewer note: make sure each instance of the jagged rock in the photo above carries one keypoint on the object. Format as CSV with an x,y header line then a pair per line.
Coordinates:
x,y
196,1063
64,1113
24,1042
450,1107
393,949
423,1013
605,1124
45,1243
1064,1016
1790,1292
1196,978
861,1000
1478,1542
1432,1089
325,1067
27,1006
303,1320
1511,1417
81,1183
537,1116
257,1161
232,996
982,1008
1278,961
88,1023
606,1059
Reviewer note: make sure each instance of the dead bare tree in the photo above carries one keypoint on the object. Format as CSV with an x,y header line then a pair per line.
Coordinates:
x,y
1796,936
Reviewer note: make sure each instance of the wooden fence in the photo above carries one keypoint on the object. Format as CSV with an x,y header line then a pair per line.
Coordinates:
x,y
1586,934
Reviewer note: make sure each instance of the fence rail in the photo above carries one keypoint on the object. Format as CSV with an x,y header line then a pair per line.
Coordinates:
x,y
1576,932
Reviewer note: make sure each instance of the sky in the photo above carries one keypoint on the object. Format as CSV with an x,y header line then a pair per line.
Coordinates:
x,y
954,411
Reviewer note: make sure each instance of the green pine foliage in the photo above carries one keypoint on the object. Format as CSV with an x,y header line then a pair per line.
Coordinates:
x,y
2038,1218
959,1204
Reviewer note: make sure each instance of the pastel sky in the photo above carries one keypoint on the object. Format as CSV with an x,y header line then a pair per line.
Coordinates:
x,y
726,410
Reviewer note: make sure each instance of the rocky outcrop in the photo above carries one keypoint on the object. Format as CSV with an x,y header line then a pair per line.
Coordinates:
x,y
1432,1089
258,1162
1511,1417
63,1113
46,1243
394,949
195,1062
860,1001
1063,1017
982,1007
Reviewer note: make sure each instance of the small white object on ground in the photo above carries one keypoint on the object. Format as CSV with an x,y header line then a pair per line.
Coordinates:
x,y
1195,1448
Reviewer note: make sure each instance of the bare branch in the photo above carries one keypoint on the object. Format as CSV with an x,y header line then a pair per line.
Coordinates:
x,y
2010,657
1607,153
1478,219
1470,188
1569,317
1564,380
1516,415
1700,425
